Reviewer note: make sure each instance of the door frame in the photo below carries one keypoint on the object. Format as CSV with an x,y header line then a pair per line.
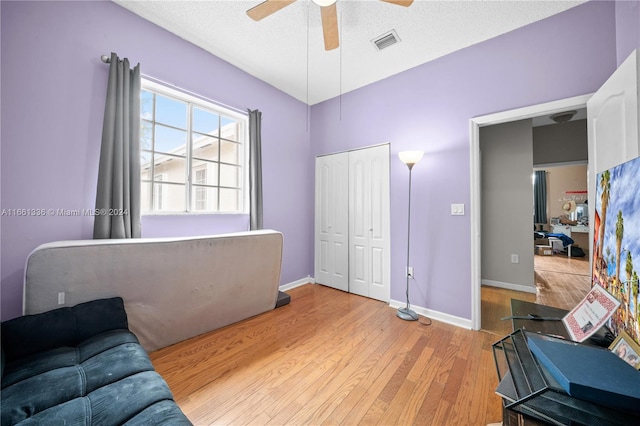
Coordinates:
x,y
548,108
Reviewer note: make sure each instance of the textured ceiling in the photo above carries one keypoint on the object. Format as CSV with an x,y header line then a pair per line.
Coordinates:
x,y
286,48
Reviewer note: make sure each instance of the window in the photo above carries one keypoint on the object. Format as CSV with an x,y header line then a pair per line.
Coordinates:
x,y
192,154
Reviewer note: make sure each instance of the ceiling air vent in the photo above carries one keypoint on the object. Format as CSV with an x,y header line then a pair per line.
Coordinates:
x,y
387,39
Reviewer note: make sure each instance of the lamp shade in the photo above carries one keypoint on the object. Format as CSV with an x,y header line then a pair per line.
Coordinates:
x,y
324,2
410,157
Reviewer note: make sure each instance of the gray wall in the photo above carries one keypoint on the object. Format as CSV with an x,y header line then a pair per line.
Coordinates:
x,y
507,204
560,143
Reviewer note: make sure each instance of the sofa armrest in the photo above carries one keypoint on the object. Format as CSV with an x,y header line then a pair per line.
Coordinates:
x,y
67,326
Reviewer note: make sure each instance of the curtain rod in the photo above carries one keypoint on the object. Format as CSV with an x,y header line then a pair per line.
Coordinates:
x,y
106,59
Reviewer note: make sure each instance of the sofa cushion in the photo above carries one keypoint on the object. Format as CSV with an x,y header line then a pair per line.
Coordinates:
x,y
88,369
161,413
68,326
38,382
100,368
141,399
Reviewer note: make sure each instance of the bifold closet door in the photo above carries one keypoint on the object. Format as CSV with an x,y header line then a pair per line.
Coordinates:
x,y
332,221
369,256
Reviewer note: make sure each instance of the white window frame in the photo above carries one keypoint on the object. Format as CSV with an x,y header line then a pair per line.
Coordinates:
x,y
243,139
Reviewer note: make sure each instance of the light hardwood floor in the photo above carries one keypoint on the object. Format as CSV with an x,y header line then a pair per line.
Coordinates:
x,y
331,357
560,282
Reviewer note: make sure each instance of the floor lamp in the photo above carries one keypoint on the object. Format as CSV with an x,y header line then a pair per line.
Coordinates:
x,y
410,158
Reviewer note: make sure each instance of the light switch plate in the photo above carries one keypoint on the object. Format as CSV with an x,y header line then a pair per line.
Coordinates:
x,y
457,209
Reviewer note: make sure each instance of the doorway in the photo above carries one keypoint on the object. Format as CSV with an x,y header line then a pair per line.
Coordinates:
x,y
549,108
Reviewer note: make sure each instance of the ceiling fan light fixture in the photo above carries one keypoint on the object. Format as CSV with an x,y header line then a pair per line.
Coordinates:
x,y
563,117
324,3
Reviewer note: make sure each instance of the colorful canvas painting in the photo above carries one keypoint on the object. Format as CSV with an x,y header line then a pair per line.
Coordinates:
x,y
616,237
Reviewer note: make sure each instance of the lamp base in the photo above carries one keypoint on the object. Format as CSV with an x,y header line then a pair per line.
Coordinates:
x,y
406,314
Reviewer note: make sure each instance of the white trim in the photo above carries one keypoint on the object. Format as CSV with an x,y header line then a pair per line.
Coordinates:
x,y
510,286
435,315
475,123
297,283
172,90
395,304
359,149
563,164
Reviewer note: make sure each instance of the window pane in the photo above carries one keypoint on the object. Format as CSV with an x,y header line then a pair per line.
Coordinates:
x,y
171,112
146,135
205,122
170,168
205,147
229,200
229,152
145,197
204,199
168,198
229,175
204,169
145,165
229,129
146,105
171,141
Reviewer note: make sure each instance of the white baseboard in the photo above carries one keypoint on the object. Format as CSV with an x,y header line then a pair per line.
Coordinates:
x,y
436,315
509,286
297,283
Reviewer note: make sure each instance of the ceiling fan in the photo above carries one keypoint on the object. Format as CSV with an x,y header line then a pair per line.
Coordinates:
x,y
328,12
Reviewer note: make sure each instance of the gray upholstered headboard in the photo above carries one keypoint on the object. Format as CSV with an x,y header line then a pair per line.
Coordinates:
x,y
173,288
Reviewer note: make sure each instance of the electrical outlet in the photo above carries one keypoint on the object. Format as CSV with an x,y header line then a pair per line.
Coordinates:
x,y
410,271
61,298
515,258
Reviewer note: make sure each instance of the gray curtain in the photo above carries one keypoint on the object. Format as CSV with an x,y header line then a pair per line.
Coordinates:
x,y
540,197
255,169
118,196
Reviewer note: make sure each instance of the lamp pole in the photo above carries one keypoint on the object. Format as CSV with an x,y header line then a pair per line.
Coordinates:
x,y
410,158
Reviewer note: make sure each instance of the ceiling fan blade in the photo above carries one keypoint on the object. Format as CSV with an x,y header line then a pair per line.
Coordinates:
x,y
405,3
266,8
330,27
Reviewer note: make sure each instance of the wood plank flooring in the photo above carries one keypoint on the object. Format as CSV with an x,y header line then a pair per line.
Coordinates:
x,y
560,281
334,358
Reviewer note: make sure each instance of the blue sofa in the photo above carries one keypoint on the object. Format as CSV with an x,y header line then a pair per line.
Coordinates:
x,y
81,366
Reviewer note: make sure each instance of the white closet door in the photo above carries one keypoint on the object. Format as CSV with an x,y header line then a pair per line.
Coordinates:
x,y
369,222
332,221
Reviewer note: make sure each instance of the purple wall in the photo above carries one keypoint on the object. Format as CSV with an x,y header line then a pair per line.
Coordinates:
x,y
429,107
53,88
627,28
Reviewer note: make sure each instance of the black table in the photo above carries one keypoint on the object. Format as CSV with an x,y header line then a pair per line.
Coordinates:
x,y
522,308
